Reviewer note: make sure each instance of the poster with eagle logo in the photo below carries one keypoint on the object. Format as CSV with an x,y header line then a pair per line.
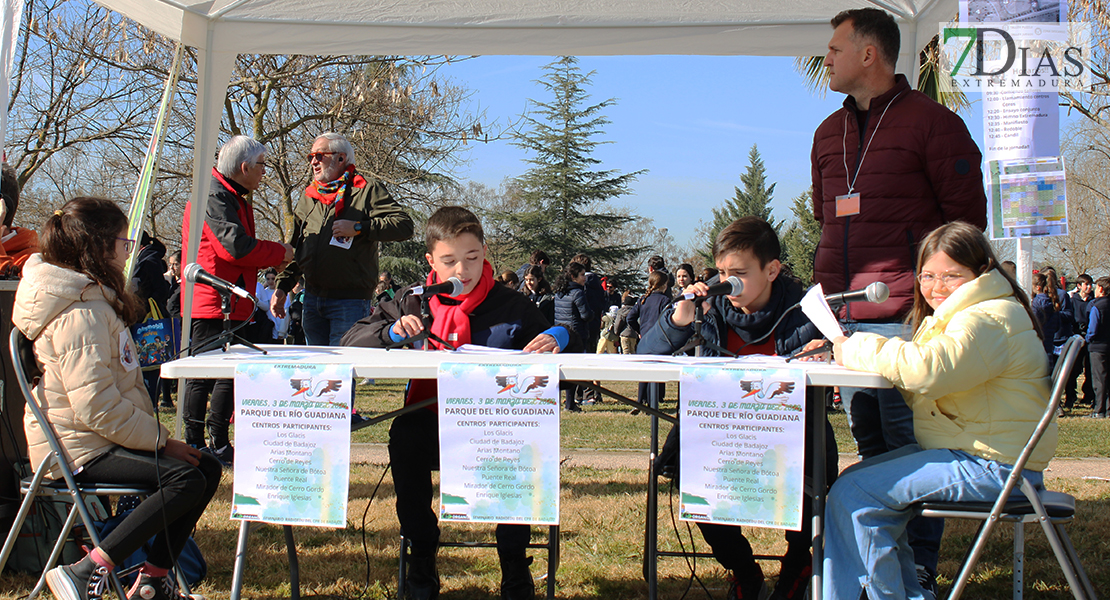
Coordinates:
x,y
293,443
742,446
499,443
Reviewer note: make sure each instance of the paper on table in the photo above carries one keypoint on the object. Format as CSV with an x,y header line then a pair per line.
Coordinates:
x,y
818,311
476,349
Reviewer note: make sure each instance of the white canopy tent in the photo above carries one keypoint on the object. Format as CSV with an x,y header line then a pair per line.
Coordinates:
x,y
222,29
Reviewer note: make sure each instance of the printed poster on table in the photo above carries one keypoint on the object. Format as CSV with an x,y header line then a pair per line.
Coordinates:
x,y
293,443
499,443
742,457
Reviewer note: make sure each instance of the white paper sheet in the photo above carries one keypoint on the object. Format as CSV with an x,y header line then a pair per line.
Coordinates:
x,y
818,311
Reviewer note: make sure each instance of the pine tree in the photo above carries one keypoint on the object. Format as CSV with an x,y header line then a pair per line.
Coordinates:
x,y
799,243
754,200
565,198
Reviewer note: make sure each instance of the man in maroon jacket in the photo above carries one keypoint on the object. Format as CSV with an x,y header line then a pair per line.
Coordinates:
x,y
229,250
888,167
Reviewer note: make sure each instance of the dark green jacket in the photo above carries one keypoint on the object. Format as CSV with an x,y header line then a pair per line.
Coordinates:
x,y
334,272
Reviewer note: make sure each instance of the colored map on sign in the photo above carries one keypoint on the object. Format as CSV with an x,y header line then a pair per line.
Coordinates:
x,y
1029,196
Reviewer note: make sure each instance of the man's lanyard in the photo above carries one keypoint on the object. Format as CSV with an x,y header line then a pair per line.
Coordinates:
x,y
844,142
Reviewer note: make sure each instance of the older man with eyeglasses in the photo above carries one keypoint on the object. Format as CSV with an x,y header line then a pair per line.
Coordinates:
x,y
230,250
338,223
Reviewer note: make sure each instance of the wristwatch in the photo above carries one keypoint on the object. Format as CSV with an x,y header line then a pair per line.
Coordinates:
x,y
358,227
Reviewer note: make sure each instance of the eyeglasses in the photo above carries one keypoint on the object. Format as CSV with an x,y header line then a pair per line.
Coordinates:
x,y
128,244
948,279
318,155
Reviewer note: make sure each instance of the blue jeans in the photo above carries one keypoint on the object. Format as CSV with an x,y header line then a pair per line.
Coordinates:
x,y
881,421
325,320
869,508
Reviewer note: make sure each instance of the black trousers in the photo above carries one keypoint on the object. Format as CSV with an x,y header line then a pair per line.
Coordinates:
x,y
728,544
1082,365
1099,373
184,491
214,396
413,455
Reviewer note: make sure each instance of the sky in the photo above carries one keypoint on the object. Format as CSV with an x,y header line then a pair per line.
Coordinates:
x,y
689,120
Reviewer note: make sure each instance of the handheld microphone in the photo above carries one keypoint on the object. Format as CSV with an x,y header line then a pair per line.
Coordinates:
x,y
452,287
196,273
729,287
876,293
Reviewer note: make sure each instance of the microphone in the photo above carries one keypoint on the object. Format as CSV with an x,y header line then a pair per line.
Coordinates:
x,y
876,293
196,273
729,287
452,287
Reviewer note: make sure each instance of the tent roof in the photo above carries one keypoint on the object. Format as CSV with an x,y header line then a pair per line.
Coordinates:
x,y
538,27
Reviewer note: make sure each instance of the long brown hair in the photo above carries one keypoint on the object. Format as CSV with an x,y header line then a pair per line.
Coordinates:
x,y
657,282
967,246
81,237
1052,285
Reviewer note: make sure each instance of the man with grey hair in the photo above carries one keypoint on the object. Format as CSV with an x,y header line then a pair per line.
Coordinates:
x,y
229,250
338,223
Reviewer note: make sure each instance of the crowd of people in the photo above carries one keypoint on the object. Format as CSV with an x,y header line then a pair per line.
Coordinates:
x,y
960,340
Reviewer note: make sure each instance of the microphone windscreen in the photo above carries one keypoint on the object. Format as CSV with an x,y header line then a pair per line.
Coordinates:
x,y
878,292
191,271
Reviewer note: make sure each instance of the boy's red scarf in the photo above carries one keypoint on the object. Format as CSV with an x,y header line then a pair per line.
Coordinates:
x,y
335,191
451,322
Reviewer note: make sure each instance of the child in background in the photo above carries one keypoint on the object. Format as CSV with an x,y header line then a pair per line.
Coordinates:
x,y
1098,344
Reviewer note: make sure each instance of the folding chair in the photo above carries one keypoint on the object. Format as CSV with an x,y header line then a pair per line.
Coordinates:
x,y
38,486
1051,509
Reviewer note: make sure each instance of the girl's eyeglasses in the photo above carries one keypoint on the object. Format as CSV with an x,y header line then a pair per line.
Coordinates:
x,y
128,244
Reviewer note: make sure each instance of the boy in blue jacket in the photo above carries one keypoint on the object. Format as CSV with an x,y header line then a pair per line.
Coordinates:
x,y
749,250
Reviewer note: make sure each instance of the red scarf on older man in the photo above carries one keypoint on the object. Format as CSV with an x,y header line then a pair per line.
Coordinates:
x,y
451,322
335,192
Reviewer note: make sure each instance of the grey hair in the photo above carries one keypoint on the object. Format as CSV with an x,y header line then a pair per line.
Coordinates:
x,y
337,142
239,150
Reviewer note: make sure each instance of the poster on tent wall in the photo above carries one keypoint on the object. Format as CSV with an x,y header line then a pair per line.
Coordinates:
x,y
499,443
1018,55
742,446
292,443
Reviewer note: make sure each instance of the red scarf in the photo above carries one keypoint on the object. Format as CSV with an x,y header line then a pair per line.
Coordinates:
x,y
335,192
451,322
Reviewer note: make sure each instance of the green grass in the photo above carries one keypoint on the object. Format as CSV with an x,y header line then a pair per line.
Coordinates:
x,y
609,426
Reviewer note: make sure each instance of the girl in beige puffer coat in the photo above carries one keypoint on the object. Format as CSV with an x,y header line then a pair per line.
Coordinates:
x,y
74,306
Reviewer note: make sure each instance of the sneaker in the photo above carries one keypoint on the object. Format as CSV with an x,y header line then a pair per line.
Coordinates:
x,y
516,579
83,580
793,583
224,454
357,419
158,588
750,587
422,579
928,582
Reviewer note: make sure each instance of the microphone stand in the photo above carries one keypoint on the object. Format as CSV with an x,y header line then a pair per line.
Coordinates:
x,y
698,341
228,337
426,319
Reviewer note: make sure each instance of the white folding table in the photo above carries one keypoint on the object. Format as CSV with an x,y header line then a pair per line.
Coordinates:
x,y
409,364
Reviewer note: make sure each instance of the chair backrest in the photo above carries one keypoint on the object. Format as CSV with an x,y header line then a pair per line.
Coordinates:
x,y
1068,355
24,363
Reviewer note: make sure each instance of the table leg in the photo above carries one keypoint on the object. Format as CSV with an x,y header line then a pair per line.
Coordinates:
x,y
240,560
651,528
818,419
294,564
